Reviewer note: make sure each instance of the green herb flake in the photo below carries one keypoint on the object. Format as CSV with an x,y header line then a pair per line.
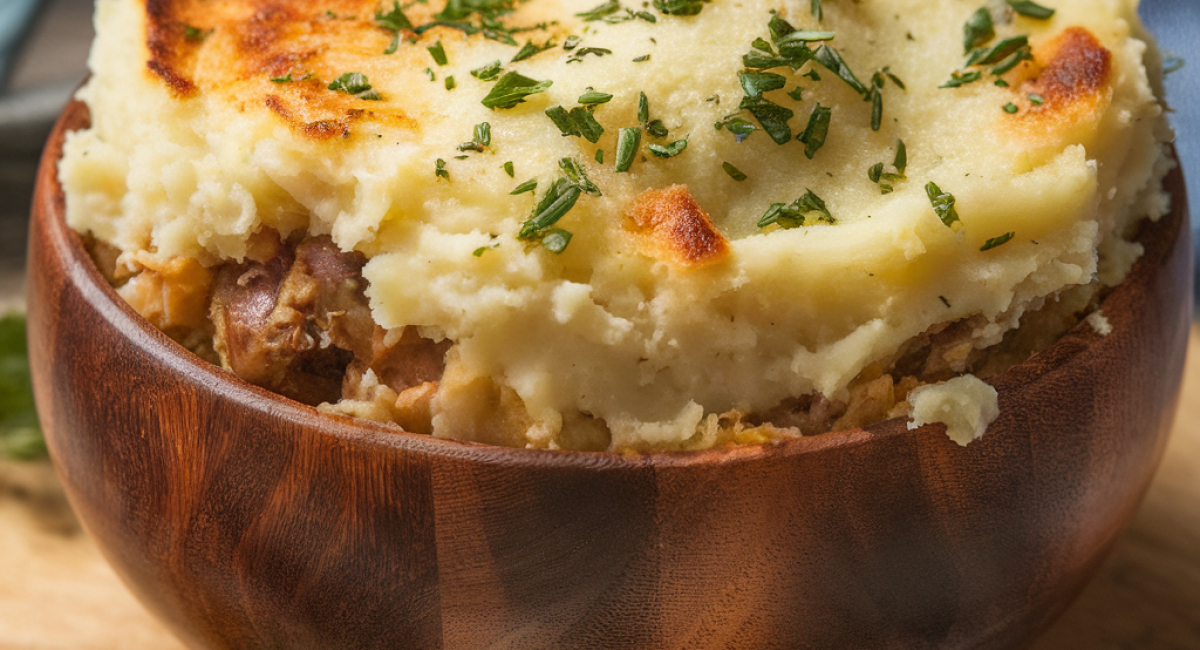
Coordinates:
x,y
429,73
754,84
393,21
771,116
554,205
562,119
679,7
487,72
797,213
816,131
901,162
959,78
20,434
628,140
195,34
509,168
1031,9
600,11
594,98
796,93
641,59
587,125
1001,83
482,138
478,252
528,186
556,240
600,156
875,172
440,169
669,151
355,83
643,112
529,49
997,241
577,55
739,127
815,8
1011,108
943,206
571,42
978,30
450,83
734,173
1012,61
1036,99
438,53
829,57
512,89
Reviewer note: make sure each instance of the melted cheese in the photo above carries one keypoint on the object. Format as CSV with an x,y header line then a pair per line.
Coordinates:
x,y
669,304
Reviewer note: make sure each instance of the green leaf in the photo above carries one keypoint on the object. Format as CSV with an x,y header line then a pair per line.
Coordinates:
x,y
773,117
816,131
628,140
797,213
440,169
528,186
555,204
487,72
587,125
594,98
734,173
509,168
962,78
669,151
438,53
556,240
512,89
600,11
943,206
679,7
354,83
978,30
562,119
901,162
755,84
1031,9
997,241
529,49
829,57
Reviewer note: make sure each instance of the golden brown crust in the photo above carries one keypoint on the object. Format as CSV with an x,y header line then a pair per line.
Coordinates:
x,y
1071,74
674,228
239,46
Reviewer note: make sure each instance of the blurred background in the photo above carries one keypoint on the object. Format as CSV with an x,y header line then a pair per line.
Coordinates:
x,y
57,592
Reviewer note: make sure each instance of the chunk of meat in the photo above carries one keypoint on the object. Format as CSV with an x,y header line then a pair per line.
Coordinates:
x,y
299,324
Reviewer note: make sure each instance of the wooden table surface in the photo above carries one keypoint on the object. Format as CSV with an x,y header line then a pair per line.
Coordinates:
x,y
57,592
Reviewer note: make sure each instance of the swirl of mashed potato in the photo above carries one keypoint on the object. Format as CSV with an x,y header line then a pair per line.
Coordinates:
x,y
741,221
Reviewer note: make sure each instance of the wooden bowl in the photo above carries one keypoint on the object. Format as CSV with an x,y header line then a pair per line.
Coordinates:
x,y
245,520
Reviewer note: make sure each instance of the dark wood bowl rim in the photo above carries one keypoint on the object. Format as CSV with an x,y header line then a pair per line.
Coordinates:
x,y
84,274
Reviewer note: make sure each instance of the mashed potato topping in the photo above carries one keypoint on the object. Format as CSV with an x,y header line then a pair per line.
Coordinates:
x,y
698,243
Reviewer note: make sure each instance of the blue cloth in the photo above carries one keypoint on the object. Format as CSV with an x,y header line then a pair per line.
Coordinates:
x,y
1176,23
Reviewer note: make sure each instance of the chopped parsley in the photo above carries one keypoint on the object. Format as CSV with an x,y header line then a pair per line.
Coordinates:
x,y
195,34
512,89
669,151
1031,9
978,30
962,78
450,83
509,168
943,206
481,140
655,127
579,121
438,53
641,59
554,205
887,180
487,72
997,241
734,173
577,55
815,8
1036,99
818,128
773,117
600,156
679,7
1011,108
528,186
429,73
571,42
601,11
594,98
754,84
478,252
393,21
738,126
355,83
797,213
529,49
628,140
439,169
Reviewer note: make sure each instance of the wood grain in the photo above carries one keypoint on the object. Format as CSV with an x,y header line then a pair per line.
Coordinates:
x,y
244,520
